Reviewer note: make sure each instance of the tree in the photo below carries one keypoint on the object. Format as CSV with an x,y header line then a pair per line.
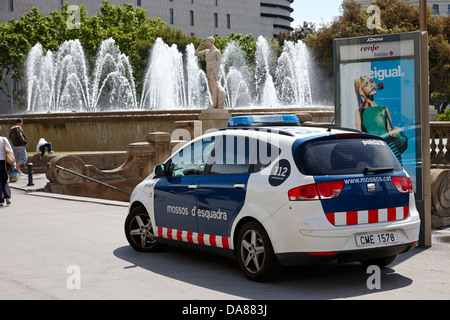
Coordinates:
x,y
396,16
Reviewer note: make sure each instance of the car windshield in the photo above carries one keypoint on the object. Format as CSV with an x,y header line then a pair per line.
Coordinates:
x,y
345,156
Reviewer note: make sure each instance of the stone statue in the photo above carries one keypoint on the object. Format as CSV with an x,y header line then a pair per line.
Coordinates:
x,y
213,60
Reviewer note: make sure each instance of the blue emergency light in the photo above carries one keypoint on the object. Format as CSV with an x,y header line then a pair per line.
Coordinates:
x,y
268,120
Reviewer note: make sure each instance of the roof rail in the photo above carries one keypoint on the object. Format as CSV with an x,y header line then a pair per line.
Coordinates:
x,y
320,125
265,129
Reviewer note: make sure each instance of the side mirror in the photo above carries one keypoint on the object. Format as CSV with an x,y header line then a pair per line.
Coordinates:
x,y
160,171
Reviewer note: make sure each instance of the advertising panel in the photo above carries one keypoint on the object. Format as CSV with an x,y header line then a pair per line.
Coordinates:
x,y
378,92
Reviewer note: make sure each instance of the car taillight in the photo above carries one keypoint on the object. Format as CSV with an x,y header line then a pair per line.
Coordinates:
x,y
403,184
330,190
316,191
308,192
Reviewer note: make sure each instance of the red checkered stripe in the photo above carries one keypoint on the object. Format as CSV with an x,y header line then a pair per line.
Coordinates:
x,y
194,237
367,216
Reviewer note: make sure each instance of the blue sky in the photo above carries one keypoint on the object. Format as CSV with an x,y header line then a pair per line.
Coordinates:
x,y
314,11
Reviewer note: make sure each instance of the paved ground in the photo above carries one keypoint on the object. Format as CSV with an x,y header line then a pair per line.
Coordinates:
x,y
55,247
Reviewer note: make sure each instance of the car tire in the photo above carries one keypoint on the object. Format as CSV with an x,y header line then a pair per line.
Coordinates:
x,y
381,262
139,231
255,254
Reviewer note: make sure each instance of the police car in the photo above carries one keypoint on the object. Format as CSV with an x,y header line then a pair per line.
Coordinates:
x,y
276,193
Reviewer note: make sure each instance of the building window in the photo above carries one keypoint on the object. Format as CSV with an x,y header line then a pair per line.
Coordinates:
x,y
138,3
191,17
228,21
171,16
216,20
10,6
216,2
448,9
435,9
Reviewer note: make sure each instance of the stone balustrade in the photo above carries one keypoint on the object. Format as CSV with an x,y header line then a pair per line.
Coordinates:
x,y
440,173
439,143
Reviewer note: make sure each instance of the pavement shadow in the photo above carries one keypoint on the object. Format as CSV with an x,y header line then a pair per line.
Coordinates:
x,y
216,272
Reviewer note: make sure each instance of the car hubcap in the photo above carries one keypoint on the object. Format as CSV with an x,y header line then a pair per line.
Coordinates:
x,y
142,231
252,251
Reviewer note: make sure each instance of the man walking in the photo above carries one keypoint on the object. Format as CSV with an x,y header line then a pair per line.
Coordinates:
x,y
19,141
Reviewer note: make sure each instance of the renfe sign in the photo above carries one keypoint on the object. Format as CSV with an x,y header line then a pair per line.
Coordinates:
x,y
371,50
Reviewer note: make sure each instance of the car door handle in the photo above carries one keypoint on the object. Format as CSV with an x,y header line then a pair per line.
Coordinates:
x,y
192,186
239,186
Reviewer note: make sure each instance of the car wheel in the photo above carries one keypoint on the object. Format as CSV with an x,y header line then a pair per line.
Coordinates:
x,y
255,254
139,231
381,262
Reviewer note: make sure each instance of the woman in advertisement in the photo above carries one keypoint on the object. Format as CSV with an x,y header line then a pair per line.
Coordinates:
x,y
374,119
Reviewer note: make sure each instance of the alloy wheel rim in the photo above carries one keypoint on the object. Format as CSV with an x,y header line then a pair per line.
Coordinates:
x,y
142,231
252,251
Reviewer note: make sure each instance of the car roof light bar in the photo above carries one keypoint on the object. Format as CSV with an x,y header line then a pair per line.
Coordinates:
x,y
266,120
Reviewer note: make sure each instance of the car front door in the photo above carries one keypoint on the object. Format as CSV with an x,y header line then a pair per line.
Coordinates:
x,y
175,194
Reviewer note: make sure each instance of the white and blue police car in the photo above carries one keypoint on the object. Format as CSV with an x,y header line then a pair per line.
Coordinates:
x,y
276,193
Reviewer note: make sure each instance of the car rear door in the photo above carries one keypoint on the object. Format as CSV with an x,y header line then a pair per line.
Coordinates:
x,y
221,193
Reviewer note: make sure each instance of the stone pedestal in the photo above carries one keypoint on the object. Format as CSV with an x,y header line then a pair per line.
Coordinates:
x,y
161,140
189,129
214,118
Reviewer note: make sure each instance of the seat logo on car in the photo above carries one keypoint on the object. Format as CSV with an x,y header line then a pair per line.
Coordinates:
x,y
371,187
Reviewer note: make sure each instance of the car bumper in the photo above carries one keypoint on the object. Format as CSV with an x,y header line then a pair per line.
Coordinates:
x,y
310,258
313,239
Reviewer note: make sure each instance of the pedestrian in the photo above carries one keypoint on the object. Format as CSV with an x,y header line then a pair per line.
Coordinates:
x,y
40,148
5,191
19,141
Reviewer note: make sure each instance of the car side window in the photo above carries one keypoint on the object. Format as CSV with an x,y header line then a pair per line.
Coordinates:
x,y
192,159
232,155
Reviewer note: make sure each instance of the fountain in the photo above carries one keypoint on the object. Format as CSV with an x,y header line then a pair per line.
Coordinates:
x,y
61,81
82,106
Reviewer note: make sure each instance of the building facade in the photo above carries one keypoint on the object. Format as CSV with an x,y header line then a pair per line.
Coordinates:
x,y
438,7
201,18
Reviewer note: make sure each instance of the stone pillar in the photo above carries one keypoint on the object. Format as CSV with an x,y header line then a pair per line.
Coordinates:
x,y
214,118
161,140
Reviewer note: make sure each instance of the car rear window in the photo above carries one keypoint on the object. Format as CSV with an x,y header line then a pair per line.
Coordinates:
x,y
344,156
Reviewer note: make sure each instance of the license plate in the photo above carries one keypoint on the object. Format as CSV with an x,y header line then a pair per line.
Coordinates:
x,y
372,239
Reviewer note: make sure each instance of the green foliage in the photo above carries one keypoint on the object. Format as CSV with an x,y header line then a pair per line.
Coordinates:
x,y
443,117
247,43
396,16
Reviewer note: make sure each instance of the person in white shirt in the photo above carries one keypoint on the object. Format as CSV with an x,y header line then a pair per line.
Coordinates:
x,y
40,148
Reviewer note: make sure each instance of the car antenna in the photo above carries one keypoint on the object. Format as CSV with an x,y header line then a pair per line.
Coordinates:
x,y
334,119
